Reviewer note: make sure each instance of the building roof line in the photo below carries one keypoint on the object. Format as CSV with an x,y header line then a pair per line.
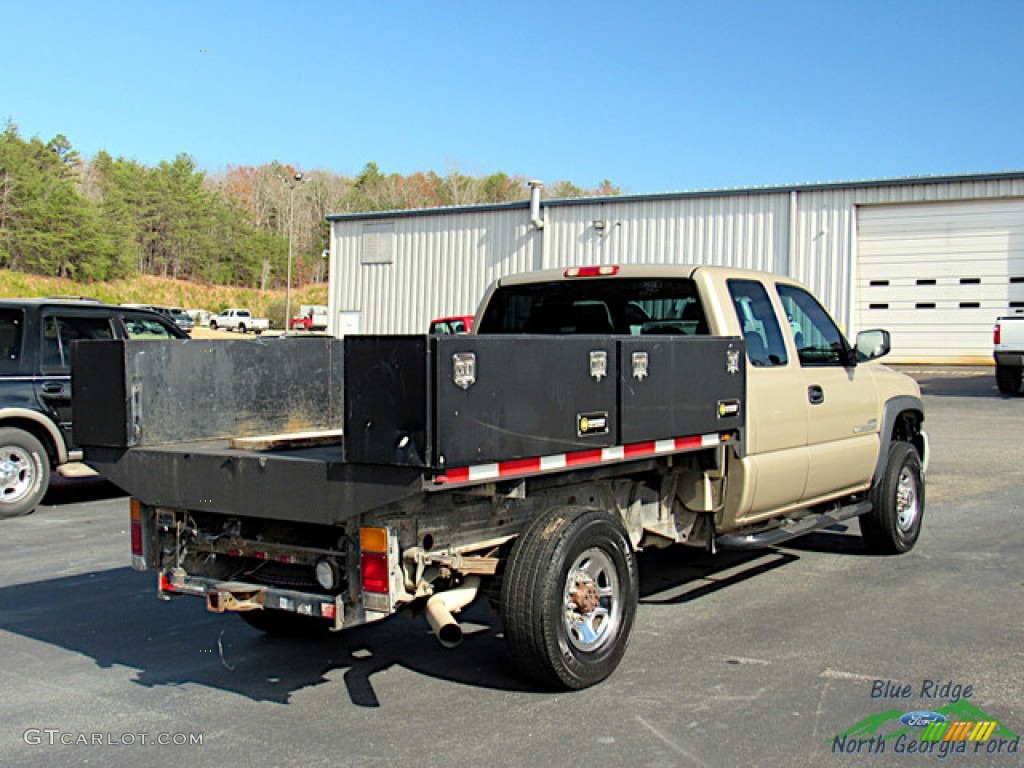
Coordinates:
x,y
725,192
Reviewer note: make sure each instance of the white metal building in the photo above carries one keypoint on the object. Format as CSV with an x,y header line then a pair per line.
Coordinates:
x,y
934,260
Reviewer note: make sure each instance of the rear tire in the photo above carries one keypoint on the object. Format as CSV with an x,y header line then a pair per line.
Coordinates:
x,y
1008,379
569,597
893,525
24,472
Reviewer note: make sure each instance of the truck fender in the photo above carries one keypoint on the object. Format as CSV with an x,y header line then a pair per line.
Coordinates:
x,y
52,433
894,408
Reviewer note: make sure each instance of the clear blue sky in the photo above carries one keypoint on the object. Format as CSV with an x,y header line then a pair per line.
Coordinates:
x,y
655,96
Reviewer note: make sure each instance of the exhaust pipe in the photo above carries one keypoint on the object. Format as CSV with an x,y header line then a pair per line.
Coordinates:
x,y
441,606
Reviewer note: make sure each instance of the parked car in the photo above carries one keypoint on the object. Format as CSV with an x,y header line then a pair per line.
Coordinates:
x,y
1008,351
446,326
180,317
241,320
311,317
35,386
176,315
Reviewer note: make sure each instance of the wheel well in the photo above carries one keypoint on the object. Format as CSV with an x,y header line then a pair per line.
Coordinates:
x,y
38,431
901,423
907,429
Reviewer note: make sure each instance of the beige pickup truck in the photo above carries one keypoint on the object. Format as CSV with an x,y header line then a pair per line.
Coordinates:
x,y
592,413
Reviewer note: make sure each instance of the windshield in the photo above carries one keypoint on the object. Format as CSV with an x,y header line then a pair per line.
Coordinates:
x,y
632,306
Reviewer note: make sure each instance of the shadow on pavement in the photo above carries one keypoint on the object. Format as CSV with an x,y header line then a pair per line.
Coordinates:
x,y
114,618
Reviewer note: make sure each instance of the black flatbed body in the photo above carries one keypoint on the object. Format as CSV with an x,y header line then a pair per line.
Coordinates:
x,y
419,415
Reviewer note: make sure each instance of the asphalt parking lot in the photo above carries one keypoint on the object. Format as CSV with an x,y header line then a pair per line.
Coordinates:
x,y
759,659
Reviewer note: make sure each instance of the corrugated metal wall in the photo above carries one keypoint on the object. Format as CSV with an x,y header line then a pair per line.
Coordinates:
x,y
442,261
439,265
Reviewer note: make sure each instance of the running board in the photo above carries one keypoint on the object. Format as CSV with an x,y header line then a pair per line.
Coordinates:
x,y
801,527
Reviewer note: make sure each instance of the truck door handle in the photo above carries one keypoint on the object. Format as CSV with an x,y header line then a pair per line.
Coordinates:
x,y
53,388
816,395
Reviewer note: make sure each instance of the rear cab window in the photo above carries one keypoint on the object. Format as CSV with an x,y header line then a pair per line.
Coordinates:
x,y
633,306
761,332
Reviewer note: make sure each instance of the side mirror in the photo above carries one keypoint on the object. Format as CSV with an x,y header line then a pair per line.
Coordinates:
x,y
873,344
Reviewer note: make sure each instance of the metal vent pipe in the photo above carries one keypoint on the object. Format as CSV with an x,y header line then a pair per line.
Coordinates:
x,y
535,215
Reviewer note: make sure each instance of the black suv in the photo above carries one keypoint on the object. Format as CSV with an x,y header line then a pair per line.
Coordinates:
x,y
35,385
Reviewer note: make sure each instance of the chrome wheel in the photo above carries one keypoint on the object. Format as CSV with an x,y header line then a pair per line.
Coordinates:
x,y
18,473
592,609
907,507
24,472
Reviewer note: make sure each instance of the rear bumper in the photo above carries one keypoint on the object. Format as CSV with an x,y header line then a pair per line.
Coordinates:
x,y
1009,359
236,597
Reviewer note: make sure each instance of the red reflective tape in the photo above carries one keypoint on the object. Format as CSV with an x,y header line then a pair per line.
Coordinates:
x,y
517,466
615,453
460,475
640,449
583,457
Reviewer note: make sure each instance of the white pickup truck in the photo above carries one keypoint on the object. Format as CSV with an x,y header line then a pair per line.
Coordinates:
x,y
1008,350
240,320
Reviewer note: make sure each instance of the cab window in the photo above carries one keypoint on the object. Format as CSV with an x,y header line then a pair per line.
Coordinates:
x,y
634,306
761,332
818,339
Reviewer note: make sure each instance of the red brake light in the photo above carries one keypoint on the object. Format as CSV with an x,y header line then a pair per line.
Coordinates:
x,y
135,510
996,334
375,573
604,271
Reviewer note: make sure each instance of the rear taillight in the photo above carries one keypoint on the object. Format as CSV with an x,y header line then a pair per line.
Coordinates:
x,y
376,571
996,333
135,510
138,546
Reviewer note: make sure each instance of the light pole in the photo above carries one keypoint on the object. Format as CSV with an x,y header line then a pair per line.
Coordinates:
x,y
291,184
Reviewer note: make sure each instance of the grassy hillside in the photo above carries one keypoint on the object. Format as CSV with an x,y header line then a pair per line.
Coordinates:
x,y
165,292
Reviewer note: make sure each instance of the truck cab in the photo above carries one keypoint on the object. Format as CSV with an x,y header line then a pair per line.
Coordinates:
x,y
820,415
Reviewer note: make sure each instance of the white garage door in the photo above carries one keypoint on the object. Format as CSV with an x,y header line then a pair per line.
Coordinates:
x,y
936,275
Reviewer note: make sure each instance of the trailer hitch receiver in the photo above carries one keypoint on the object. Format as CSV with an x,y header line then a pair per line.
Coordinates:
x,y
235,597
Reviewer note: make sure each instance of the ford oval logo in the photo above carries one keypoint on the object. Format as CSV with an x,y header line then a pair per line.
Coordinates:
x,y
921,718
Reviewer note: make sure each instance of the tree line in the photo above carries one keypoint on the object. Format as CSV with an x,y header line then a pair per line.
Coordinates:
x,y
103,218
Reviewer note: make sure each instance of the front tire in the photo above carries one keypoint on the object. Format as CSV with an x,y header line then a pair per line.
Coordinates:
x,y
893,525
24,472
569,597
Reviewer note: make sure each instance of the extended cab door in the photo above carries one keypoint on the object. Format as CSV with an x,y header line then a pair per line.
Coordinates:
x,y
774,472
841,399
